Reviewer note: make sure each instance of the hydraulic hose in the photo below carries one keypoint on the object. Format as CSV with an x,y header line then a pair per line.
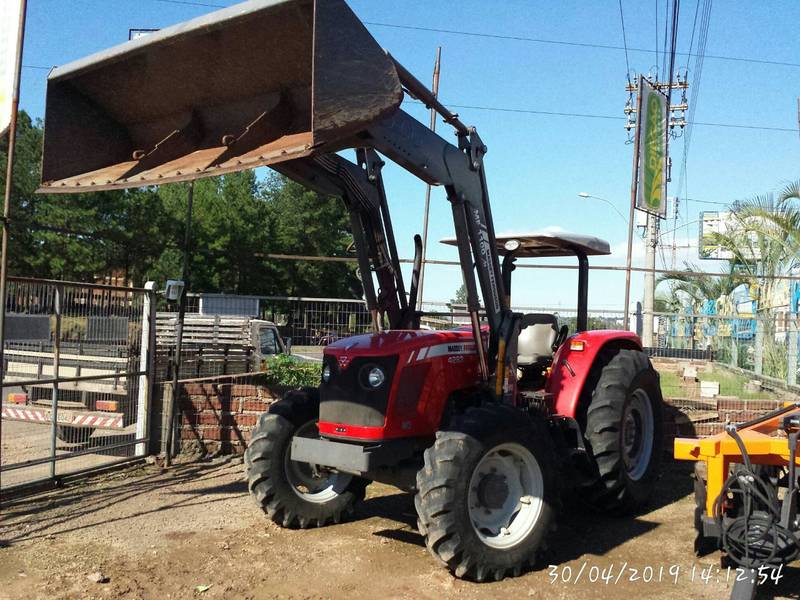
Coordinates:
x,y
754,537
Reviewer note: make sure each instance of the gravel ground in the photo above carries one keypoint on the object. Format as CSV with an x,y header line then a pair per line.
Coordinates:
x,y
193,532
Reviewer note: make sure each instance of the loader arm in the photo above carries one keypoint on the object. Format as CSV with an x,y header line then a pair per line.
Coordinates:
x,y
460,170
361,189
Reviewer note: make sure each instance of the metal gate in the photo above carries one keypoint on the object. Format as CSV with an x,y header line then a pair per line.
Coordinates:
x,y
76,378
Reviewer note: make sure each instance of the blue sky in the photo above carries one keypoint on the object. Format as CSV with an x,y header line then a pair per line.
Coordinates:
x,y
536,164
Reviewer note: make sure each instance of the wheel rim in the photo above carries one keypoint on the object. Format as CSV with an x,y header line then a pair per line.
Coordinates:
x,y
637,434
505,495
310,482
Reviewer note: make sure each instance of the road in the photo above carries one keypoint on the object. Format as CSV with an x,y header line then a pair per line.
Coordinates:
x,y
308,353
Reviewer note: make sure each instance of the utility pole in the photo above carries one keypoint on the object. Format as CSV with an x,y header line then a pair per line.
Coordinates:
x,y
12,135
435,90
633,113
650,281
634,192
176,364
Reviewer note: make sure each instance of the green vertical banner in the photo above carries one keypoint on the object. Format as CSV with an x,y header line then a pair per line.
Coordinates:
x,y
652,131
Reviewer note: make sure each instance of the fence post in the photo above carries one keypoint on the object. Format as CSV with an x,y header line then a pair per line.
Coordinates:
x,y
639,319
758,358
56,363
791,363
166,401
144,404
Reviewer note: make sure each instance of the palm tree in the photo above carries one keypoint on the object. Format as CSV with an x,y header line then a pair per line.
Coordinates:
x,y
765,238
697,288
765,243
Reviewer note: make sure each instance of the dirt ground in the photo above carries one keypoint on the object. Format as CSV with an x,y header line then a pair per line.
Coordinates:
x,y
193,532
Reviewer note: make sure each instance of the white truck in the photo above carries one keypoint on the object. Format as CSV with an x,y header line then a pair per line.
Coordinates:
x,y
105,397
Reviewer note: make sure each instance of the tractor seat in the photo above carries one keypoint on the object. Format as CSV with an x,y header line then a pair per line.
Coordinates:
x,y
538,332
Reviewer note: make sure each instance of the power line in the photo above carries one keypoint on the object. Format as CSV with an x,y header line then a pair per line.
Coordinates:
x,y
694,27
569,43
676,5
706,201
625,43
689,122
666,44
609,117
558,113
520,38
698,72
189,3
656,38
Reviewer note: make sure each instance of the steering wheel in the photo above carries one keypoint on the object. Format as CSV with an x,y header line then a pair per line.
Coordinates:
x,y
561,337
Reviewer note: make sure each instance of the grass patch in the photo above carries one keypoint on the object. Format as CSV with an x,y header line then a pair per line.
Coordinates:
x,y
730,384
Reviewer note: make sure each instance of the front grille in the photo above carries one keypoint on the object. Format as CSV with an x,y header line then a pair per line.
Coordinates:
x,y
409,388
347,399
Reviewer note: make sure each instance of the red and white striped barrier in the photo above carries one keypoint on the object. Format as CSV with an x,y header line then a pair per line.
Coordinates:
x,y
101,421
35,414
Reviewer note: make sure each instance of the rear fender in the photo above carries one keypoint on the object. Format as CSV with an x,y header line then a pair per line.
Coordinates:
x,y
572,364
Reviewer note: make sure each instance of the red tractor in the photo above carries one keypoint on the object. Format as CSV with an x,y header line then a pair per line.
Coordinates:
x,y
489,425
410,407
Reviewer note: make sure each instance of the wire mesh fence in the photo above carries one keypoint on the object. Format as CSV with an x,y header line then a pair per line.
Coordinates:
x,y
75,378
89,370
321,321
763,343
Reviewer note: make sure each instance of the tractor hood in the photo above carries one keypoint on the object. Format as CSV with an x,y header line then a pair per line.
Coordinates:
x,y
396,342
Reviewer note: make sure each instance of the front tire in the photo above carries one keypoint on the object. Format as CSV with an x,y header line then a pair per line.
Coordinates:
x,y
488,493
294,494
624,431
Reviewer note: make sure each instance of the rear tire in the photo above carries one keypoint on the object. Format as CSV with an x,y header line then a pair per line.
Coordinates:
x,y
294,494
624,431
488,493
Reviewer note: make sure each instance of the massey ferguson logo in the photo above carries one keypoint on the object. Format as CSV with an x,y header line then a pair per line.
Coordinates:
x,y
343,361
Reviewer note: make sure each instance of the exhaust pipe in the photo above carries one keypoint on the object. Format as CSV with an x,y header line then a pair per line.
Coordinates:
x,y
256,84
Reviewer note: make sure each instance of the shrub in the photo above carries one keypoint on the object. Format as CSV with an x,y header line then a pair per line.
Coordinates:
x,y
285,370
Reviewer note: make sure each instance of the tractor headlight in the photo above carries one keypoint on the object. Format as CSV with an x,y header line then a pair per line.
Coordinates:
x,y
326,374
376,377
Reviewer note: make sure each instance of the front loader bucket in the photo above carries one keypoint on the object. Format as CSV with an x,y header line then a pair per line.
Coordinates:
x,y
255,84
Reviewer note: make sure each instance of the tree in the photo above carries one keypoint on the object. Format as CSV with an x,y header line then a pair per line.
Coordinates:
x,y
461,295
306,223
139,233
77,237
695,289
764,239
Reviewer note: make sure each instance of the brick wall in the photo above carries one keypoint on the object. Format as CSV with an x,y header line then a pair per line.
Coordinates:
x,y
219,416
686,417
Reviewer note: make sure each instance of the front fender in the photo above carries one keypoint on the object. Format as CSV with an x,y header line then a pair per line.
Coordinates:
x,y
572,364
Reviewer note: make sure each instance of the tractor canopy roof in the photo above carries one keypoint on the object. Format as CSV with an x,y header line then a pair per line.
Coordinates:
x,y
548,242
